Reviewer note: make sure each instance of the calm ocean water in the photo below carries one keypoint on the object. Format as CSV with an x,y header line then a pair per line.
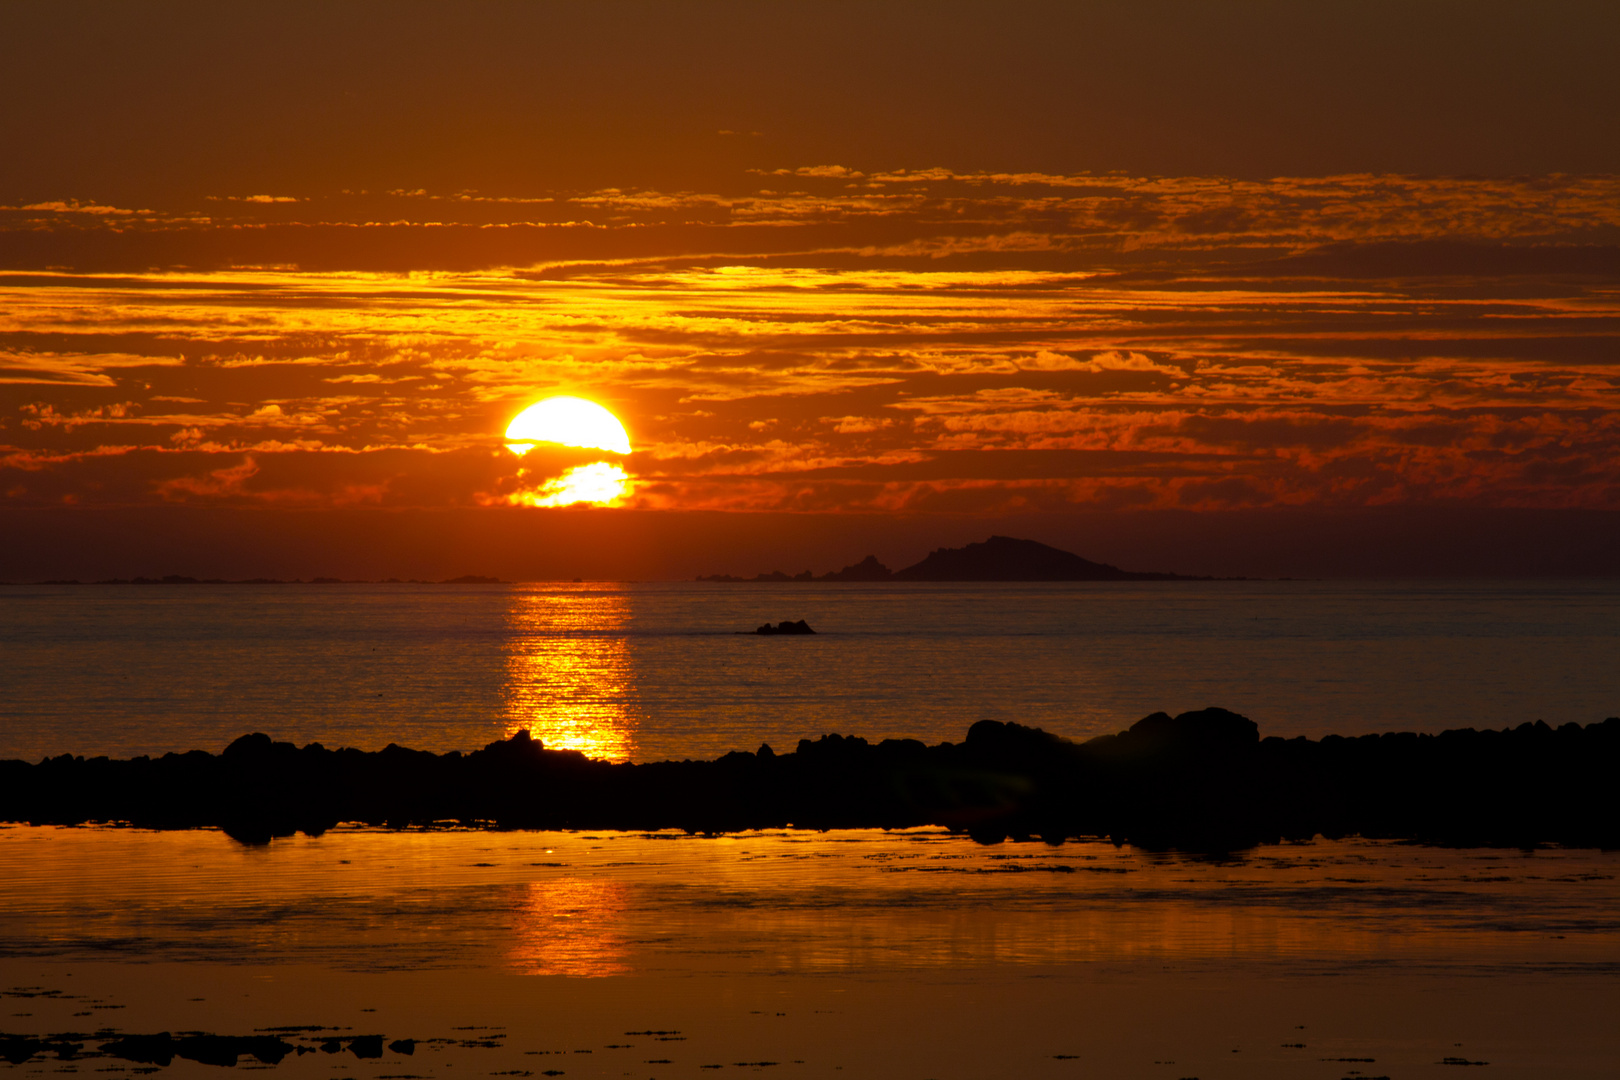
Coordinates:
x,y
650,671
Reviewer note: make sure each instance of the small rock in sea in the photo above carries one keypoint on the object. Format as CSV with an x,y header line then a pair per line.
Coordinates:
x,y
366,1046
786,627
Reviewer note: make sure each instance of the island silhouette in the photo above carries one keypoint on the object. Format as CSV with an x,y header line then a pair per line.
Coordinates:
x,y
182,579
1200,781
1000,558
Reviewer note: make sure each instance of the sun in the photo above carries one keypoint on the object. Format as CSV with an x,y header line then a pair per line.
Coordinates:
x,y
571,421
568,421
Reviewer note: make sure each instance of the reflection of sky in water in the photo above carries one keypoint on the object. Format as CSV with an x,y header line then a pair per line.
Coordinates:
x,y
568,672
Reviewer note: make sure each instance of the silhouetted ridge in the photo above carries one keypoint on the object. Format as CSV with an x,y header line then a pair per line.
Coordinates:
x,y
868,569
181,579
1004,558
1202,780
1000,558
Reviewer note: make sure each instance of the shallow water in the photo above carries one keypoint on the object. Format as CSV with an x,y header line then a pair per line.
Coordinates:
x,y
372,900
650,671
860,953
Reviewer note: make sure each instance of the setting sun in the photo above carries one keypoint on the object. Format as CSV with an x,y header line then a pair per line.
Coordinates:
x,y
571,421
568,421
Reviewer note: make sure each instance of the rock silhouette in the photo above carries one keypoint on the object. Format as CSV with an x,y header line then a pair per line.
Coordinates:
x,y
785,627
1202,780
868,569
1004,558
163,1048
181,579
18,1049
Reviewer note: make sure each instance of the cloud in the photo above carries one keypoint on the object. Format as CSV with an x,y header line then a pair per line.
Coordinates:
x,y
822,215
944,340
226,481
73,206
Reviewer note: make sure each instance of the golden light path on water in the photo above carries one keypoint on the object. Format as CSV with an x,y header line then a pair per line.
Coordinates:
x,y
569,679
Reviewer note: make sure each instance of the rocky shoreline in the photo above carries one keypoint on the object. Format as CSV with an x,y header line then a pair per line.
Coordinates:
x,y
1199,781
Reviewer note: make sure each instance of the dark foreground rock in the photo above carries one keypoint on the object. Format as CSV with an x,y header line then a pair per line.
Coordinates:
x,y
163,1049
1202,780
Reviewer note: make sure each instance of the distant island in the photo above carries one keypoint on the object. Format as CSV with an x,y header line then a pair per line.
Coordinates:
x,y
1000,558
1202,780
181,579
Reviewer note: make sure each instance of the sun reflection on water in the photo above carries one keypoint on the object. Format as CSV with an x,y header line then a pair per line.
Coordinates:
x,y
571,927
568,672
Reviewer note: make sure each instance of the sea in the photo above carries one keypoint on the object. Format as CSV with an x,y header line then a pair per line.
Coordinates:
x,y
654,671
409,954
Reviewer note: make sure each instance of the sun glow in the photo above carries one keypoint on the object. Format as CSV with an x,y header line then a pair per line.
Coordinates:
x,y
567,421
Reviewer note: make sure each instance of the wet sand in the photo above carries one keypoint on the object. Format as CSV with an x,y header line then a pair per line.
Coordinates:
x,y
908,954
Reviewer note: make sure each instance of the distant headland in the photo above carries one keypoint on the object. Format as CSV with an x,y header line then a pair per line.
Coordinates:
x,y
1201,781
181,579
1000,558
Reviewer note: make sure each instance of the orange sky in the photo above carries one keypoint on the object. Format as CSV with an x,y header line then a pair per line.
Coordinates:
x,y
810,276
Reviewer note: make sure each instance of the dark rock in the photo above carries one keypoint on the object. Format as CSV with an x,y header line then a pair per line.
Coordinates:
x,y
785,627
156,1049
1201,780
224,1050
209,1050
403,1046
1206,732
18,1049
366,1046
